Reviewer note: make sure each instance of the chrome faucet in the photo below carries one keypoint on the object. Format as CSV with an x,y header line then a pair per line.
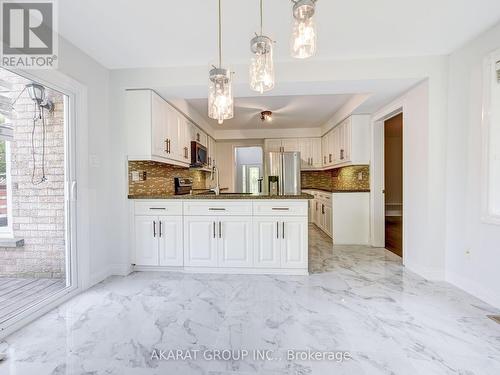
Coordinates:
x,y
215,173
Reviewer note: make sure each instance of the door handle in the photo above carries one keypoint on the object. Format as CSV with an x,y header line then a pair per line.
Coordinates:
x,y
214,229
159,222
283,229
277,230
220,230
216,209
154,228
280,208
330,158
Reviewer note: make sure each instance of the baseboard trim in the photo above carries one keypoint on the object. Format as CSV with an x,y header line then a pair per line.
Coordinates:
x,y
230,271
120,269
473,288
428,273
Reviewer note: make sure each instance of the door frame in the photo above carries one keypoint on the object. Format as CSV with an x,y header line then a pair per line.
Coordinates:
x,y
76,196
377,182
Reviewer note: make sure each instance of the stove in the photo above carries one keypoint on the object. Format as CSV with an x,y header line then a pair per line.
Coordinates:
x,y
183,186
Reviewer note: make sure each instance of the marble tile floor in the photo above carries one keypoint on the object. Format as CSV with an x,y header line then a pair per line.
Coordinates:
x,y
357,299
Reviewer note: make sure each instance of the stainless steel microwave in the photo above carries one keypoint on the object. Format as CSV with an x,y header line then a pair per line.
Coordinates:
x,y
198,155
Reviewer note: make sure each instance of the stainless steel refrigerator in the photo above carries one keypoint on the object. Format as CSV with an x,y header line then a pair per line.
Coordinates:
x,y
282,173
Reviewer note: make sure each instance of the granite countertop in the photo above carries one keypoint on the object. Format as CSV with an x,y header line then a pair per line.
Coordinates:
x,y
340,190
222,196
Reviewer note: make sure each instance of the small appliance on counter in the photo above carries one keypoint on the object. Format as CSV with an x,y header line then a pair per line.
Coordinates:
x,y
198,155
282,171
183,186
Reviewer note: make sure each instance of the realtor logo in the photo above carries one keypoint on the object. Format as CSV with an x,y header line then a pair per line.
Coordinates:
x,y
29,38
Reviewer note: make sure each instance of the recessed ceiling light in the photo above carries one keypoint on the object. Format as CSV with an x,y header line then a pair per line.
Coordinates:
x,y
266,116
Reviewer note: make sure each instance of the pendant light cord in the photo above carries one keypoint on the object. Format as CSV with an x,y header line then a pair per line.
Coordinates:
x,y
220,35
261,17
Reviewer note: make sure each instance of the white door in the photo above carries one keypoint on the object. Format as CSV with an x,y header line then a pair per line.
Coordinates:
x,y
171,252
289,144
235,241
267,242
200,241
294,249
146,240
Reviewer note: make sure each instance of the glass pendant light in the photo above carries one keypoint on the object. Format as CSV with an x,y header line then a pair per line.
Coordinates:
x,y
303,42
220,93
262,66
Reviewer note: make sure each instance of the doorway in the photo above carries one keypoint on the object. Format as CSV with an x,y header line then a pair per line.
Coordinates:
x,y
248,169
393,184
36,259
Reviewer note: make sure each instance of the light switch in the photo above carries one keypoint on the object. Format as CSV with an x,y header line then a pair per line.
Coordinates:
x,y
135,176
360,176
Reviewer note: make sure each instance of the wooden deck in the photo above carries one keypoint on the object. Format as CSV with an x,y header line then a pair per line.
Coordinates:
x,y
17,294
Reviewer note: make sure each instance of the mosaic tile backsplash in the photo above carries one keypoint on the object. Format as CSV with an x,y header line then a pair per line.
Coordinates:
x,y
160,178
345,178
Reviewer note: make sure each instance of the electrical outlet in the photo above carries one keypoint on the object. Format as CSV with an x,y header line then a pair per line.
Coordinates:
x,y
360,176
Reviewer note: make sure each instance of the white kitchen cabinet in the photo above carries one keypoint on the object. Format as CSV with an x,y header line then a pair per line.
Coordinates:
x,y
294,237
146,242
281,145
200,241
267,242
158,240
272,145
171,252
218,241
310,153
155,130
348,143
212,151
328,220
235,241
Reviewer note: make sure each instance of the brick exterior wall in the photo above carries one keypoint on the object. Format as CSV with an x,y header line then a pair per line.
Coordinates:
x,y
38,211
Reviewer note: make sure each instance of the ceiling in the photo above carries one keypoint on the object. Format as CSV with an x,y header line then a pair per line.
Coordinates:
x,y
288,111
162,33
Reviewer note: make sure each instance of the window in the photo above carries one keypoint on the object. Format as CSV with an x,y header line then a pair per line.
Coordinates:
x,y
5,206
491,140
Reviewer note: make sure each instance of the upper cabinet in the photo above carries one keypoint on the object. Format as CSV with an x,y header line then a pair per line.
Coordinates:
x,y
348,143
157,131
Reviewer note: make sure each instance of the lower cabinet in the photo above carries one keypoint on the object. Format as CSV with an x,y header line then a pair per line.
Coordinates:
x,y
158,241
280,242
213,241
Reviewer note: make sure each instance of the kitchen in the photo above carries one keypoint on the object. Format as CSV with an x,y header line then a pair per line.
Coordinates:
x,y
182,218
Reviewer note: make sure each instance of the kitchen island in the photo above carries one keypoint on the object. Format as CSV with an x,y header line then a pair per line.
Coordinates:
x,y
226,233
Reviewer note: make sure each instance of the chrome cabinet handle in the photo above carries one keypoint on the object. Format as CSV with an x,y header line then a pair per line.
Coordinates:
x,y
283,229
166,145
281,208
220,230
157,208
160,228
217,209
154,228
330,158
341,154
214,229
277,230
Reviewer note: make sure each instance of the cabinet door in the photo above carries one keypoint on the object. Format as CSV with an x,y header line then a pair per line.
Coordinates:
x,y
235,241
289,144
267,241
345,155
200,241
317,212
328,220
294,249
324,150
171,252
272,145
304,146
159,127
315,153
146,240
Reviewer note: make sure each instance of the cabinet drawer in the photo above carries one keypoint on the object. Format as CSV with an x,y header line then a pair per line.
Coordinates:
x,y
217,207
281,208
158,208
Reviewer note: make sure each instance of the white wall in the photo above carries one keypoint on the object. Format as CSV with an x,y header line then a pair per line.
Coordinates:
x,y
472,247
423,242
97,164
